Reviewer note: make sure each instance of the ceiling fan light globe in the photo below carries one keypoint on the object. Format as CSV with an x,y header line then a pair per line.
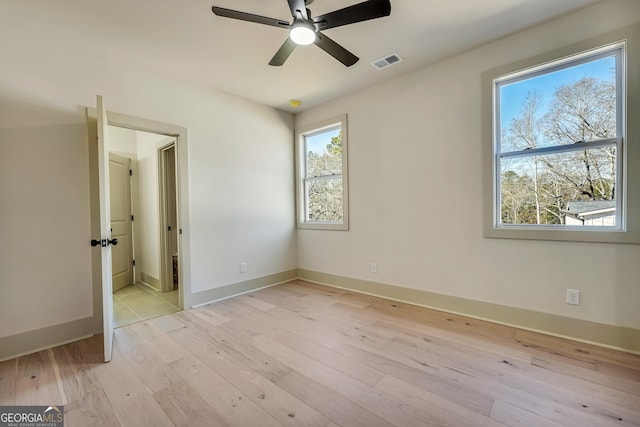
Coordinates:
x,y
302,35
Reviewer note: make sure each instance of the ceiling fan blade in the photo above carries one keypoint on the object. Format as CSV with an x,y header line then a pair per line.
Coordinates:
x,y
335,50
283,53
243,16
364,11
298,6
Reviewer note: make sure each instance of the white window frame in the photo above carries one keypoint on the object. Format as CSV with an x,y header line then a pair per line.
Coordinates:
x,y
627,228
618,51
302,179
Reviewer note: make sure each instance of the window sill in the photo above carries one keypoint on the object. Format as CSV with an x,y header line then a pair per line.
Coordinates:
x,y
564,234
323,226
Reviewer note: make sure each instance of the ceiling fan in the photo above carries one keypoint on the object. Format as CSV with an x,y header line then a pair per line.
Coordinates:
x,y
305,30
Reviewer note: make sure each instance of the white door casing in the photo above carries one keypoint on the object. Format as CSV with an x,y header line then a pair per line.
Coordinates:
x,y
182,195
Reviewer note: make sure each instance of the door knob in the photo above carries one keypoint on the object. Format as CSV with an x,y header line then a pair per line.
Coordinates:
x,y
104,242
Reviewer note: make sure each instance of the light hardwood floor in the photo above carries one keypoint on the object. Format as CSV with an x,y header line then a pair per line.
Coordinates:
x,y
300,354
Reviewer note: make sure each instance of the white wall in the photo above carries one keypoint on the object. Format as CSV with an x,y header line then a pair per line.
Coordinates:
x,y
415,152
240,171
45,258
123,142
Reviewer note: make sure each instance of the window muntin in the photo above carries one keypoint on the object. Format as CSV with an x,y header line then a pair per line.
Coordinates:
x,y
558,143
322,183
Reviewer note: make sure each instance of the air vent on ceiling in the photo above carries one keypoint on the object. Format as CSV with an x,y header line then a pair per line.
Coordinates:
x,y
387,61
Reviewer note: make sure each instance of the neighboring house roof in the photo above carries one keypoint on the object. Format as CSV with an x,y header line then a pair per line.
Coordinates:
x,y
590,207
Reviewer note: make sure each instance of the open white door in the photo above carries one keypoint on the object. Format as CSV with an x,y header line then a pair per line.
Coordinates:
x,y
105,229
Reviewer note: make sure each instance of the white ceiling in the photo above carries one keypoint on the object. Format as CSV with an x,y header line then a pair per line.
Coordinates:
x,y
186,39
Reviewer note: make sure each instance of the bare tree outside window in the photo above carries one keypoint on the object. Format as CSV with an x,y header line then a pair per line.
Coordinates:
x,y
560,145
322,182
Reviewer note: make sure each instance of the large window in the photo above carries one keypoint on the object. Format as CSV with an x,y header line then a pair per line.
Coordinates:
x,y
559,143
560,154
322,175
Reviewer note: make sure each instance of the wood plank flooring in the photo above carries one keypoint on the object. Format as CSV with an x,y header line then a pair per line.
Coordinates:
x,y
300,354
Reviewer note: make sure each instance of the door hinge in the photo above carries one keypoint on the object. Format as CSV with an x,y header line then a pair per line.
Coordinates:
x,y
130,172
180,232
134,262
131,217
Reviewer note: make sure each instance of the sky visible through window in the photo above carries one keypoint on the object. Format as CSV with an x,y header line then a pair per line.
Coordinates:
x,y
513,95
549,113
318,143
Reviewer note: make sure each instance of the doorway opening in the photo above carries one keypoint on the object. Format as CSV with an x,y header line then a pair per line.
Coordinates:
x,y
144,219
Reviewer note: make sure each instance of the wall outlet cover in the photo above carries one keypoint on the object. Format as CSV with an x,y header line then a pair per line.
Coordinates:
x,y
573,296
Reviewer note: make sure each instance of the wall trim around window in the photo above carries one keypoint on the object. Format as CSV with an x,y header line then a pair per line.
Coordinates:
x,y
631,158
300,170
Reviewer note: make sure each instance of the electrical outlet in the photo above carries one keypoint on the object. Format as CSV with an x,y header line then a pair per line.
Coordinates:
x,y
243,267
573,296
374,267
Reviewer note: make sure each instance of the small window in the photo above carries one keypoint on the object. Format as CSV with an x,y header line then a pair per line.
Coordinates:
x,y
322,176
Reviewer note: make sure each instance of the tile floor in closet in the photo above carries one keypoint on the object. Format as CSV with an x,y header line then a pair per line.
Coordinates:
x,y
139,302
